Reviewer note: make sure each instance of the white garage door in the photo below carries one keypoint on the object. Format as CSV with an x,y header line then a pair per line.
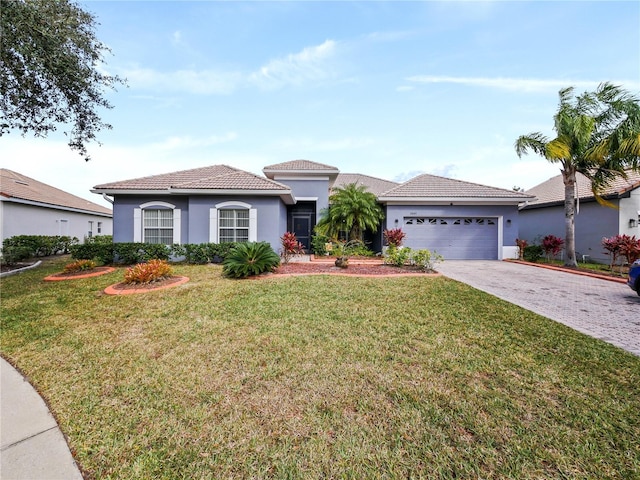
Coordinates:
x,y
455,238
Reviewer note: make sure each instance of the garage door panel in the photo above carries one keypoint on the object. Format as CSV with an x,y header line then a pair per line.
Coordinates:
x,y
452,237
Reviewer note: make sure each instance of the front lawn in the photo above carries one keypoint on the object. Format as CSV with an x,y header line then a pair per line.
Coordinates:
x,y
319,377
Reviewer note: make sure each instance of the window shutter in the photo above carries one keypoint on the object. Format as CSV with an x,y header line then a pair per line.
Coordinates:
x,y
253,225
137,225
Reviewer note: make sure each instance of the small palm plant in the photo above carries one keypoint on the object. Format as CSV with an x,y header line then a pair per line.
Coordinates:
x,y
250,258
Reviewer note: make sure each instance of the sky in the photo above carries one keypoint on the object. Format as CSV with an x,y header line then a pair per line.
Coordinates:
x,y
387,89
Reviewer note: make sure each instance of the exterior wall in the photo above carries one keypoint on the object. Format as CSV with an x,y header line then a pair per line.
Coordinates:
x,y
271,216
22,219
123,214
507,215
592,224
630,209
309,189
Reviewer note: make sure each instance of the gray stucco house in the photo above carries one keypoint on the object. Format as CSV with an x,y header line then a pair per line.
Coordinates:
x,y
30,207
545,215
460,220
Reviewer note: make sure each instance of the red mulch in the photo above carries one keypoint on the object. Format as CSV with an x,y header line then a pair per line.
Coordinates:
x,y
80,273
298,268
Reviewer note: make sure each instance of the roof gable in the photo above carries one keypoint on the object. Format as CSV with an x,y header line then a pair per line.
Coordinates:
x,y
214,177
433,187
300,166
18,186
374,185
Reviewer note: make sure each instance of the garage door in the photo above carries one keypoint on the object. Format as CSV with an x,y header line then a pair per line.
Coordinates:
x,y
454,238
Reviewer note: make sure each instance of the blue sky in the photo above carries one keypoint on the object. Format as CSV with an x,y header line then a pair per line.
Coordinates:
x,y
390,89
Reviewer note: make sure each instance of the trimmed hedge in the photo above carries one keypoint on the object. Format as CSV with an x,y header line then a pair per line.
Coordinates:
x,y
22,247
135,252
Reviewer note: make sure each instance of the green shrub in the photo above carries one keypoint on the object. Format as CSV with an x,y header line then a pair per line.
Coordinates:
x,y
40,245
319,244
425,259
148,272
252,258
101,253
397,256
532,253
12,255
201,253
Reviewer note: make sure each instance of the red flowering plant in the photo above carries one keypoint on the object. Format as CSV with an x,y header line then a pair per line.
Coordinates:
x,y
290,247
394,236
552,245
622,246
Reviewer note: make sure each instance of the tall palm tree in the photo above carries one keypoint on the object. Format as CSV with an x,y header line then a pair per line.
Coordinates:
x,y
351,209
598,135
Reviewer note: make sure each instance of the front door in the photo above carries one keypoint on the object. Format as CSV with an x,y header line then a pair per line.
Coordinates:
x,y
302,229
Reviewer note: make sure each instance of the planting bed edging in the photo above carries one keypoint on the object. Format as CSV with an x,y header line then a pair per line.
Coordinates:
x,y
56,277
111,290
569,270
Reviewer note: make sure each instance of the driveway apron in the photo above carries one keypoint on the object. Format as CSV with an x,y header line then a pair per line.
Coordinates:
x,y
606,310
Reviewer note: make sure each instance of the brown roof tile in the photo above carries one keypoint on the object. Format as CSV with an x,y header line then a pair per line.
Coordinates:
x,y
552,190
300,165
432,186
214,177
374,185
16,185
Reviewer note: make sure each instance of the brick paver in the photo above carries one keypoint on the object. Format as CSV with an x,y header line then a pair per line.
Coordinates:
x,y
603,309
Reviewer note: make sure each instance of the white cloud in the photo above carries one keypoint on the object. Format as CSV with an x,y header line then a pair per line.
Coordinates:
x,y
186,142
309,65
516,84
205,82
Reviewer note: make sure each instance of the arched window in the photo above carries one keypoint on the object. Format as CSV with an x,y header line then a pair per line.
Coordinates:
x,y
156,222
233,222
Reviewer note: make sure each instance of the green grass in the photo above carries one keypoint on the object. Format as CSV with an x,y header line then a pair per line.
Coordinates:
x,y
319,377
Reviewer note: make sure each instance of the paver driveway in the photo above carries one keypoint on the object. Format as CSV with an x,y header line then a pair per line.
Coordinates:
x,y
602,309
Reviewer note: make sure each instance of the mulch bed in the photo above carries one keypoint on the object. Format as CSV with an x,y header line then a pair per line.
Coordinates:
x,y
311,268
94,272
130,288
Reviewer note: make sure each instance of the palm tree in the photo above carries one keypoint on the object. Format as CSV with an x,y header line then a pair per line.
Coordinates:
x,y
597,135
351,209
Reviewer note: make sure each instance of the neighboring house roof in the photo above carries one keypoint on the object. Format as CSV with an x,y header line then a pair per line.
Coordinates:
x,y
215,179
551,192
433,188
300,166
17,187
374,185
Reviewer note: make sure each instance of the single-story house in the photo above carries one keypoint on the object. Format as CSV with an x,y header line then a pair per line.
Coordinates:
x,y
460,220
30,207
593,221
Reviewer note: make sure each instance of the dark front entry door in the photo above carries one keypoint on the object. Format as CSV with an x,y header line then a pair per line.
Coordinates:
x,y
302,229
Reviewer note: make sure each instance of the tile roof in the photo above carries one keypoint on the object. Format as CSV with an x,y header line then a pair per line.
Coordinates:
x,y
214,177
433,187
16,185
374,185
300,165
552,191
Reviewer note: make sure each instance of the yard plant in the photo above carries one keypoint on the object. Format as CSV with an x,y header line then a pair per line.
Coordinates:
x,y
319,377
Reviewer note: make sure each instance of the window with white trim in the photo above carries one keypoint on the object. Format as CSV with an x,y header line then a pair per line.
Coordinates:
x,y
233,225
157,225
233,221
99,227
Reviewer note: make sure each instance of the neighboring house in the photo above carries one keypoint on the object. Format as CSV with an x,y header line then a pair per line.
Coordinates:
x,y
30,207
221,203
593,222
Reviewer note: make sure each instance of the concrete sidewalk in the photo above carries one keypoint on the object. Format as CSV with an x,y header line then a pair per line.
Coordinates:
x,y
32,445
